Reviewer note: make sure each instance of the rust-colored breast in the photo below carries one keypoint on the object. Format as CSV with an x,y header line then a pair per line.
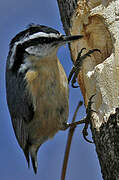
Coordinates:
x,y
48,85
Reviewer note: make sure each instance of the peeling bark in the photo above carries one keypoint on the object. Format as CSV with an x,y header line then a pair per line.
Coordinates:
x,y
107,147
98,21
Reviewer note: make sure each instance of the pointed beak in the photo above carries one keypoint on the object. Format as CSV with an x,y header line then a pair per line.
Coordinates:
x,y
63,39
67,39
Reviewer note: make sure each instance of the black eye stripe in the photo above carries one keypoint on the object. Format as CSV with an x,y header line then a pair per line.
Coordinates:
x,y
32,30
30,37
36,41
20,49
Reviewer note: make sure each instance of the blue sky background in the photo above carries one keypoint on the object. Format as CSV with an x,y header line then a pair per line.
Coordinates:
x,y
83,163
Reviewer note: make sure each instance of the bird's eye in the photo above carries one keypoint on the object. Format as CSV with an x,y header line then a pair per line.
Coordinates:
x,y
46,40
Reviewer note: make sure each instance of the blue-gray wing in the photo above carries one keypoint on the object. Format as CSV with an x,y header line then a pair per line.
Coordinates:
x,y
20,106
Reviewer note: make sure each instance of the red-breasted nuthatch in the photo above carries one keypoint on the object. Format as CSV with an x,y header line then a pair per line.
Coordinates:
x,y
37,87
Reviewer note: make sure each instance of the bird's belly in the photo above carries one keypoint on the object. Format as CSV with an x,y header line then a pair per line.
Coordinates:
x,y
51,106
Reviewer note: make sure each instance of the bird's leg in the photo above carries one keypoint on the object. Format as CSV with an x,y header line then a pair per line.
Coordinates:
x,y
78,64
86,120
74,124
80,58
89,111
74,66
79,54
74,78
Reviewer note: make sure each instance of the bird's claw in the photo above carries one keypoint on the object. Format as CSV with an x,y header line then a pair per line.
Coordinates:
x,y
74,85
89,110
78,64
84,136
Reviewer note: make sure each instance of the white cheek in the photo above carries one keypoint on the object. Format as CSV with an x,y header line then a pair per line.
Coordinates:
x,y
35,50
40,51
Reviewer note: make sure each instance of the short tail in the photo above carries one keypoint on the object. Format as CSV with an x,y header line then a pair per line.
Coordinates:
x,y
26,153
33,153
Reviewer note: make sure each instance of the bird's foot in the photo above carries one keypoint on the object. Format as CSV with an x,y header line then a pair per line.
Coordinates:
x,y
78,65
89,111
72,125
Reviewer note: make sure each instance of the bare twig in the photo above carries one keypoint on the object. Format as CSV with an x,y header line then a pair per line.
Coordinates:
x,y
69,140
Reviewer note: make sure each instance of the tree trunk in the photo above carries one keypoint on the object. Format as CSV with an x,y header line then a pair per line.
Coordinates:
x,y
98,21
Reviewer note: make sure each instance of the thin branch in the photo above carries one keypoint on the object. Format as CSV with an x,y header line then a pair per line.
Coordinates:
x,y
69,140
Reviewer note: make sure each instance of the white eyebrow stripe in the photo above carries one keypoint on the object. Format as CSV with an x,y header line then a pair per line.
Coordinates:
x,y
37,35
12,56
42,34
30,37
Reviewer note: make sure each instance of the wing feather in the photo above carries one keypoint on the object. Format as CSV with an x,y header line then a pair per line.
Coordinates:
x,y
20,106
